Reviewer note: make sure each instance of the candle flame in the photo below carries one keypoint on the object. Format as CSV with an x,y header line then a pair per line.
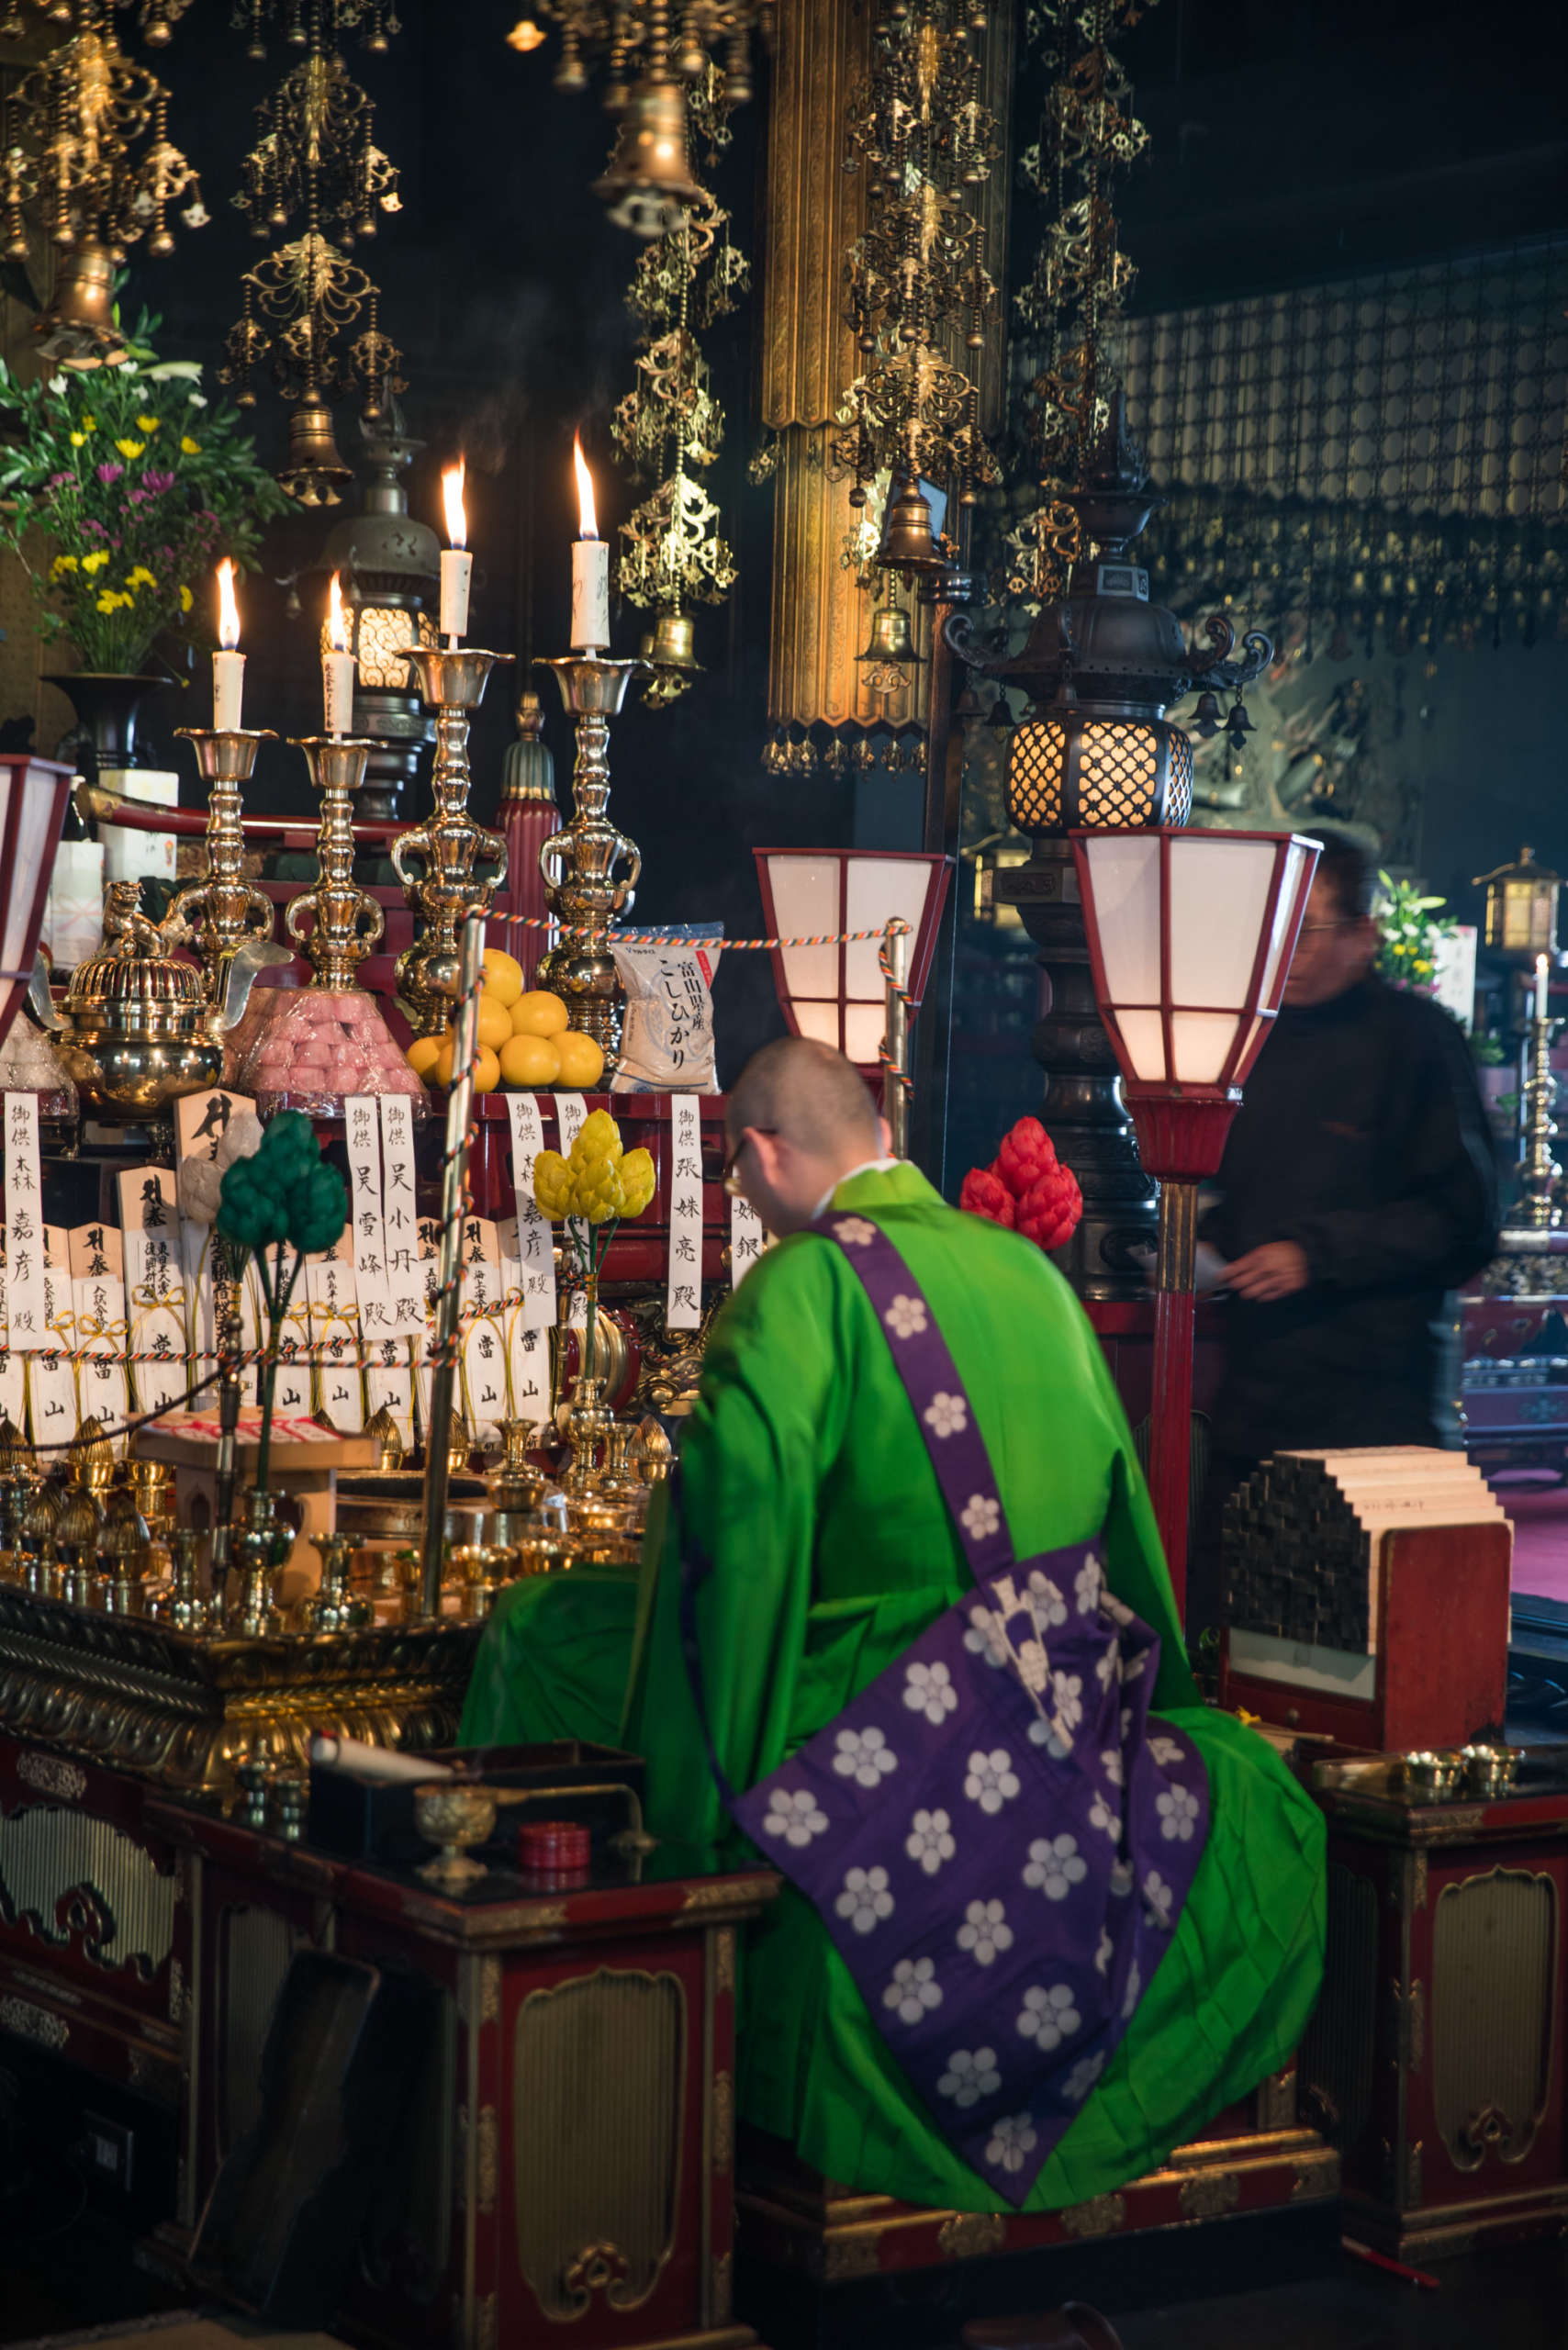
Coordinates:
x,y
336,626
587,521
452,491
228,609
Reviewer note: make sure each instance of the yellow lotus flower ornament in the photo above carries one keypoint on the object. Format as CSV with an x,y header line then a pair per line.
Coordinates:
x,y
589,1194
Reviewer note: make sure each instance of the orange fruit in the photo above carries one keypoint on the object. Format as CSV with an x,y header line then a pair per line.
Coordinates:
x,y
423,1054
582,1061
529,1061
495,1021
486,1071
503,976
539,1013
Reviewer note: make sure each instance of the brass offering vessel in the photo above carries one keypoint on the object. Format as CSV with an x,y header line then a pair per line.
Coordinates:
x,y
137,1028
1432,1775
1490,1771
334,1607
453,1816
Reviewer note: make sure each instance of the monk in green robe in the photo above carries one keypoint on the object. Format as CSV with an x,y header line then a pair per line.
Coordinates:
x,y
807,1484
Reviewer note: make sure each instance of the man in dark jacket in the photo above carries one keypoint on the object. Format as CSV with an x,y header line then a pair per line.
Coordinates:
x,y
1359,1186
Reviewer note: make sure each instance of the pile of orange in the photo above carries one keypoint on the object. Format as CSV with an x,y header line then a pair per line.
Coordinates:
x,y
525,1038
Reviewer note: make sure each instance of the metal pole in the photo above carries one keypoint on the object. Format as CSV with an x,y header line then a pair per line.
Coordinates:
x,y
896,1090
454,1188
1170,1405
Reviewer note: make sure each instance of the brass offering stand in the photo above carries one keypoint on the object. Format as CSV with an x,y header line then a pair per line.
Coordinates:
x,y
223,911
449,844
345,922
1539,1173
579,863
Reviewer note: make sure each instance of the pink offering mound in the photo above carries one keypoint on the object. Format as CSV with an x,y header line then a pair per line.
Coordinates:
x,y
310,1051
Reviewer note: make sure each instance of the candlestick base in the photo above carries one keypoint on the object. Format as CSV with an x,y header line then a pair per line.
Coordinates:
x,y
581,887
448,844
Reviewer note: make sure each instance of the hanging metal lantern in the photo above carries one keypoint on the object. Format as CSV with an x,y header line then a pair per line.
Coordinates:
x,y
1521,907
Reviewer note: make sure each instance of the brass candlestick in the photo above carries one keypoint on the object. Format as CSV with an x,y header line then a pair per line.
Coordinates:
x,y
579,863
223,911
449,844
1538,1172
345,922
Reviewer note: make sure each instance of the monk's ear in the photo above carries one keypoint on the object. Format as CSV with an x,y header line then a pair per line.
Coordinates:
x,y
885,1135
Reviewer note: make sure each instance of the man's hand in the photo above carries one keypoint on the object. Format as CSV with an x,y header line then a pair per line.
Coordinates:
x,y
1276,1269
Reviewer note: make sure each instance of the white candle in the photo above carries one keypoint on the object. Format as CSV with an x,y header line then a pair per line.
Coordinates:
x,y
1540,1012
456,562
229,663
337,666
590,569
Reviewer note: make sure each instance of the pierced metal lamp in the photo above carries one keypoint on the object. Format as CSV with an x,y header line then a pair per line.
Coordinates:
x,y
1190,936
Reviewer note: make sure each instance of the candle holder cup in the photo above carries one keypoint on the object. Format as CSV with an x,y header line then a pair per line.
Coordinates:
x,y
448,844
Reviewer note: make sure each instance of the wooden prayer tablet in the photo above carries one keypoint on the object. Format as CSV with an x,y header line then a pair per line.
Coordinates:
x,y
1367,1596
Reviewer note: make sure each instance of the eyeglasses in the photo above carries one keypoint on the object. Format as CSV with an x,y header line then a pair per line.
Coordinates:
x,y
732,1181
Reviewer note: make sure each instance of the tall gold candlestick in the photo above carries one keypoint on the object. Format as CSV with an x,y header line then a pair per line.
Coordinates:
x,y
336,925
449,844
223,911
579,863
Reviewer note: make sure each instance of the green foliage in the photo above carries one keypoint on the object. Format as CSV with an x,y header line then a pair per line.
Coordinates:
x,y
1411,930
285,1194
1490,1051
139,483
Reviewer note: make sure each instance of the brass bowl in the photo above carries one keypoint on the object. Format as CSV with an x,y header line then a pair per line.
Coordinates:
x,y
1432,1775
1490,1770
453,1818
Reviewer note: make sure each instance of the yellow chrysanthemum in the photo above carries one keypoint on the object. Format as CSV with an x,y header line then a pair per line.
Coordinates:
x,y
187,599
140,577
554,1189
189,448
60,566
96,561
89,424
148,424
78,439
130,449
108,602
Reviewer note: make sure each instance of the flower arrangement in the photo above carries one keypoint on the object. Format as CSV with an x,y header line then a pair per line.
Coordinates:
x,y
283,1195
138,484
1026,1188
1410,933
589,1194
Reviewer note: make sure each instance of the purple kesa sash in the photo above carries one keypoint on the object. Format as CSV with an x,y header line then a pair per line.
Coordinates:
x,y
995,1834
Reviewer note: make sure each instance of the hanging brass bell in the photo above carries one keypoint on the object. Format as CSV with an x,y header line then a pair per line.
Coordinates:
x,y
649,185
315,472
908,540
674,643
78,329
891,636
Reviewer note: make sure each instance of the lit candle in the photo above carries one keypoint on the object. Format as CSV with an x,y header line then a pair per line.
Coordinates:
x,y
456,562
1540,986
591,569
229,664
337,666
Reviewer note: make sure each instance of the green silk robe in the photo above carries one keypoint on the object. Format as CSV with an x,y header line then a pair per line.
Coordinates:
x,y
808,1485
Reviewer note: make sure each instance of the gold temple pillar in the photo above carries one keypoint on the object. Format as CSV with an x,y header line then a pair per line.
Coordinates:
x,y
822,617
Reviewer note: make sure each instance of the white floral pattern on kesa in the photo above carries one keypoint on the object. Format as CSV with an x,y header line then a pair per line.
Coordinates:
x,y
947,1415
1067,1689
865,1900
1178,1814
1105,1952
914,1990
905,1317
1111,1764
797,1818
1033,1666
1048,1606
1082,2078
1012,2140
930,1839
1108,1666
1100,1816
985,1931
1158,1897
928,1690
1049,2016
992,1780
979,1516
1135,1987
1165,1751
968,2077
981,1639
1088,1584
1050,1736
864,1755
1056,1865
854,1232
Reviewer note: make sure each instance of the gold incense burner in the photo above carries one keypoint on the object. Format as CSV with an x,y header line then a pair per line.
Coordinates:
x,y
579,863
449,844
137,1029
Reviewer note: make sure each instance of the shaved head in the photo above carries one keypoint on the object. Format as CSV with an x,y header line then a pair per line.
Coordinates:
x,y
800,1118
810,1095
